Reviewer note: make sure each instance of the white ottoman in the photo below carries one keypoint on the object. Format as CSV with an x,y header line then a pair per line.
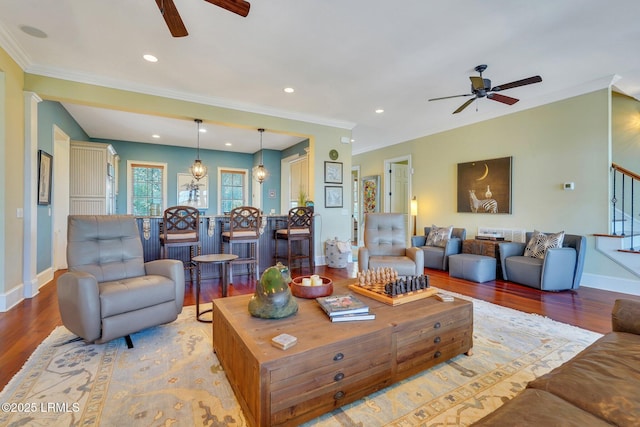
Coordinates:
x,y
477,268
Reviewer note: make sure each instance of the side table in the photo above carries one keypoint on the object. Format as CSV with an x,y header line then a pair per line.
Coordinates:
x,y
222,259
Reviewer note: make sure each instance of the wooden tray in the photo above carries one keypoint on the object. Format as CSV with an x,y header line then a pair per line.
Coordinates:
x,y
395,300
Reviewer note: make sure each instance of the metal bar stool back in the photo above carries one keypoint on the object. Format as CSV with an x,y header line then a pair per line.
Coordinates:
x,y
180,227
245,224
299,229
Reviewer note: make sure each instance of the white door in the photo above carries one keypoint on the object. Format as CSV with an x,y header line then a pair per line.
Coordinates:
x,y
60,202
399,188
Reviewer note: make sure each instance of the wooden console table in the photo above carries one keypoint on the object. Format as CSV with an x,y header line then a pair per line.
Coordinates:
x,y
333,363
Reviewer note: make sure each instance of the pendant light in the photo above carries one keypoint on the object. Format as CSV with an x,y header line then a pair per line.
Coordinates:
x,y
260,173
198,170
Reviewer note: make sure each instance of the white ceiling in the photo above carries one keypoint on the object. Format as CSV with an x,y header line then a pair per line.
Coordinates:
x,y
345,58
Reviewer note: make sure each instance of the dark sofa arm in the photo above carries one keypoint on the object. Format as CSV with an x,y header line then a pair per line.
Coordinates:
x,y
626,316
418,241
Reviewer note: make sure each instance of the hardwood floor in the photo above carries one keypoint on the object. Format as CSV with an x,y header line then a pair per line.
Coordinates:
x,y
25,326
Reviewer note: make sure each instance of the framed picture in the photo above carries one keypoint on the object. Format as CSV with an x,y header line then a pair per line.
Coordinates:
x,y
192,192
44,177
332,196
371,194
484,186
333,172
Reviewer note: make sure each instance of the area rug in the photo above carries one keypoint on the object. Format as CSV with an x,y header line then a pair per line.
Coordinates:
x,y
172,378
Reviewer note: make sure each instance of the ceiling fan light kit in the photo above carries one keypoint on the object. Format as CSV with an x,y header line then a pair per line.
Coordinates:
x,y
173,20
481,88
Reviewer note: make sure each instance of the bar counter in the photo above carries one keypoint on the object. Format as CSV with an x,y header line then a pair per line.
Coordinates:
x,y
210,229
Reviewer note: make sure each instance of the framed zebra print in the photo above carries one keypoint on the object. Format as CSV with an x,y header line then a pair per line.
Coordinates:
x,y
484,186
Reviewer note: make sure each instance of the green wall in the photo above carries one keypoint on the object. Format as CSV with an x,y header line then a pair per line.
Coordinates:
x,y
566,141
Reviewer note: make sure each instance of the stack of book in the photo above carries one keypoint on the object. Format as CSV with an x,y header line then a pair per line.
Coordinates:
x,y
345,308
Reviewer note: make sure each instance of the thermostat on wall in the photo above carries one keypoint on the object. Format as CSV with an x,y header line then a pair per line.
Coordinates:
x,y
569,186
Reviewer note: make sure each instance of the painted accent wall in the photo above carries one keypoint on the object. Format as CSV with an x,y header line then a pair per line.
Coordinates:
x,y
564,141
51,113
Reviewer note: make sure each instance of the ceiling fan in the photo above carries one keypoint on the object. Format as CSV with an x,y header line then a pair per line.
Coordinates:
x,y
171,16
481,88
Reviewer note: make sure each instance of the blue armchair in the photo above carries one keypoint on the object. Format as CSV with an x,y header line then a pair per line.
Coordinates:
x,y
437,257
560,269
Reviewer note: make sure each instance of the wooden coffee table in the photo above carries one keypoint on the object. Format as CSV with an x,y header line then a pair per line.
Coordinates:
x,y
333,363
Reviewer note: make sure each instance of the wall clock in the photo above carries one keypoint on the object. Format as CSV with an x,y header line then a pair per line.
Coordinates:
x,y
333,154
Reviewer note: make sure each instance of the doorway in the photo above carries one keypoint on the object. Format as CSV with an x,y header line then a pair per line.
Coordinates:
x,y
398,188
60,202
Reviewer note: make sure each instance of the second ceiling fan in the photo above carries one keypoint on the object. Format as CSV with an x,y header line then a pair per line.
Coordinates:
x,y
481,88
171,16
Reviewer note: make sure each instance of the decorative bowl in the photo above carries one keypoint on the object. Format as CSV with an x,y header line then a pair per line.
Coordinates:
x,y
298,290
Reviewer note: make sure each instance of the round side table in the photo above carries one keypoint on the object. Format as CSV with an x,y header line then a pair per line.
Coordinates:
x,y
222,259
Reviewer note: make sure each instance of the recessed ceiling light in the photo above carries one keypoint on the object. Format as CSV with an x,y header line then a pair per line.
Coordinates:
x,y
289,90
33,31
228,144
155,135
203,130
149,57
379,111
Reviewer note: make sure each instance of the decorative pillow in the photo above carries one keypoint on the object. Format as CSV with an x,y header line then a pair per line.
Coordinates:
x,y
438,236
540,242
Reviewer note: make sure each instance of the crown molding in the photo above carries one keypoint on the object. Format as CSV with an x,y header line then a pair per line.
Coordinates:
x,y
103,81
13,49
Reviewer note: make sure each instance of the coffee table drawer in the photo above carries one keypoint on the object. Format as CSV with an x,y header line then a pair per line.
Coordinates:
x,y
319,366
288,409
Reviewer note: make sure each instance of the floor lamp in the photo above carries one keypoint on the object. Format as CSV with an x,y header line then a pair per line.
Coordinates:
x,y
414,212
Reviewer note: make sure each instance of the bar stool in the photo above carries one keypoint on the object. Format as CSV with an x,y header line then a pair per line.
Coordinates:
x,y
180,227
244,228
299,228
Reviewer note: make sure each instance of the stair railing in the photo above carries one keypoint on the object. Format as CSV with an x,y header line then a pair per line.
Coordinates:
x,y
620,194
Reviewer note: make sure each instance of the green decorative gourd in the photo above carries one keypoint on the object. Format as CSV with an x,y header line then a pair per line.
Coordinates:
x,y
272,298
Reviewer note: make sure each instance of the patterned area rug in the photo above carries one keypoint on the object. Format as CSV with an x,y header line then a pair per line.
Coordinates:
x,y
171,377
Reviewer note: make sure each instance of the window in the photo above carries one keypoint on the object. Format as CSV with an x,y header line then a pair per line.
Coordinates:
x,y
147,184
233,188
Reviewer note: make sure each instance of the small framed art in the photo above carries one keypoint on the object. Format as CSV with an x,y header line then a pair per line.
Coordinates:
x,y
333,172
44,177
332,196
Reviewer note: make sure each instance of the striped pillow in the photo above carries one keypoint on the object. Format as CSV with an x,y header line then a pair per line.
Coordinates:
x,y
540,242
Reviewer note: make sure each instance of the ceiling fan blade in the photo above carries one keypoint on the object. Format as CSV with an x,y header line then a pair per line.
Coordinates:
x,y
465,105
171,16
477,82
447,97
239,7
502,98
517,83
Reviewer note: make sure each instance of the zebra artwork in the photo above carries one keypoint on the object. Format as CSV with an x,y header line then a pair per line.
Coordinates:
x,y
484,205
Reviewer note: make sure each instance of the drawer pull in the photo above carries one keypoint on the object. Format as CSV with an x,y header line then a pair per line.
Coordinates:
x,y
437,354
338,356
436,340
437,325
338,376
339,395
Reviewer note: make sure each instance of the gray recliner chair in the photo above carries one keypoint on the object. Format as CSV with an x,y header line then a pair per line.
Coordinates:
x,y
385,237
561,268
109,291
437,257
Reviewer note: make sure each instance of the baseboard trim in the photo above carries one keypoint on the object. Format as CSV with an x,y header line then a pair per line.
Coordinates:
x,y
610,283
12,298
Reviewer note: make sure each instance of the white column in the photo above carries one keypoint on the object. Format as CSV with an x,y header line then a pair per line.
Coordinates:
x,y
30,255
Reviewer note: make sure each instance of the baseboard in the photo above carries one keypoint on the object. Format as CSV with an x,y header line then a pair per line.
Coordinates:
x,y
609,283
16,295
12,298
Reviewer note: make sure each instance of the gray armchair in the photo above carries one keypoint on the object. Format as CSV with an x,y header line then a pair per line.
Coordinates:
x,y
109,291
437,257
385,237
561,268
